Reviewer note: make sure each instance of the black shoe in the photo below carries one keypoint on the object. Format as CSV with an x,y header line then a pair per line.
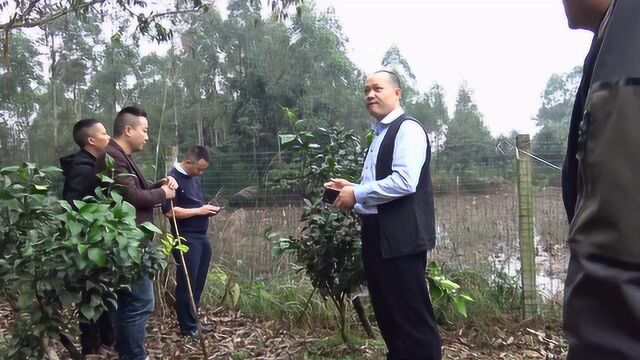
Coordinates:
x,y
193,334
206,328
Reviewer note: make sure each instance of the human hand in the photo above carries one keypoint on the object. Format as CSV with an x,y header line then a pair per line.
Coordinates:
x,y
170,181
168,192
346,200
209,210
337,184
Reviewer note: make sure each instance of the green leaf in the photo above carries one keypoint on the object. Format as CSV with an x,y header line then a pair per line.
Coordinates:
x,y
448,285
65,205
96,300
9,170
117,197
25,299
461,307
109,162
128,209
466,297
285,139
81,262
88,208
152,228
96,232
82,248
135,253
233,296
105,179
68,298
98,256
51,169
87,311
182,247
74,227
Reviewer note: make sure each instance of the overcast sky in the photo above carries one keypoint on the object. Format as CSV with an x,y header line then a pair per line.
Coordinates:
x,y
505,50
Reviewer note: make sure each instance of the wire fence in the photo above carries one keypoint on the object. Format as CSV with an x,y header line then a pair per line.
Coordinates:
x,y
476,211
476,214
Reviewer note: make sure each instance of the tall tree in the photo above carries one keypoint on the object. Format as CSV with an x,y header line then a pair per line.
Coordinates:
x,y
469,147
18,97
553,118
557,99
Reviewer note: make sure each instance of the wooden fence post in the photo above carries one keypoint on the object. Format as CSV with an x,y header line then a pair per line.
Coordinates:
x,y
526,235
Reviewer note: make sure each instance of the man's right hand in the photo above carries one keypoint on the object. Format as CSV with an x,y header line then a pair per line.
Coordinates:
x,y
168,192
209,210
337,184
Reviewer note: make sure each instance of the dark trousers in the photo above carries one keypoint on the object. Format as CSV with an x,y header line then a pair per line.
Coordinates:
x,y
602,308
95,334
197,259
134,309
400,299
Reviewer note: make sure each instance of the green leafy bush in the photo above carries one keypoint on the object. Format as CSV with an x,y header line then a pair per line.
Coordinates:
x,y
59,265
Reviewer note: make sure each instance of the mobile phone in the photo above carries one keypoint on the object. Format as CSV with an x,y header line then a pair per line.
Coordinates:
x,y
330,195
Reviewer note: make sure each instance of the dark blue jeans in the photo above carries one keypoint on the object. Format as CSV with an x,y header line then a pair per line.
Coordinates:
x,y
198,259
134,309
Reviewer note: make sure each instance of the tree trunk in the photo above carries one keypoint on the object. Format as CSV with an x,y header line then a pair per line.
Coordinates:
x,y
48,351
362,315
199,125
175,104
343,320
50,38
67,342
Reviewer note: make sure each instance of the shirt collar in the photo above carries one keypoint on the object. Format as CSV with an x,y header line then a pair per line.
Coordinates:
x,y
379,125
179,168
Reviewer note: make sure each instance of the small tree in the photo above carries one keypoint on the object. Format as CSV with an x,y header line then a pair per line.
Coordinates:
x,y
329,248
59,265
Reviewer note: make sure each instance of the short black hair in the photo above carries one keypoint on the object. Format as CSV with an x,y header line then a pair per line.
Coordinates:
x,y
81,133
127,117
197,153
395,79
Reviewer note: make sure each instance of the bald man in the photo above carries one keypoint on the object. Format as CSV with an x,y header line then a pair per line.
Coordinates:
x,y
395,204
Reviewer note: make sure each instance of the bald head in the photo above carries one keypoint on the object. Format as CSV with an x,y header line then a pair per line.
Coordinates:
x,y
382,94
393,77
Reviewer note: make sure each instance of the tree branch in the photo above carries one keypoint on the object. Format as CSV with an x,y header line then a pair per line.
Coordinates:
x,y
12,24
153,17
32,5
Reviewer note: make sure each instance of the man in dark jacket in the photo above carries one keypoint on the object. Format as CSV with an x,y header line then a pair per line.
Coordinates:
x,y
600,187
80,180
134,307
395,204
79,168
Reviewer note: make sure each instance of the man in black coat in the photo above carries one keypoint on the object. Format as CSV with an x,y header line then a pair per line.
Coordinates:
x,y
600,187
395,203
80,180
